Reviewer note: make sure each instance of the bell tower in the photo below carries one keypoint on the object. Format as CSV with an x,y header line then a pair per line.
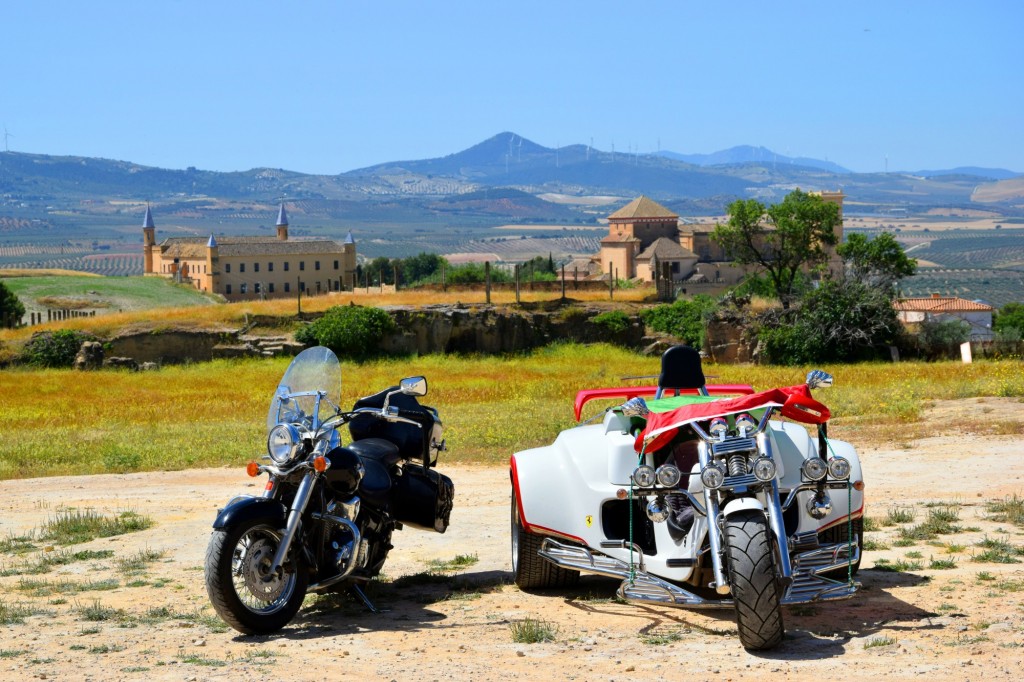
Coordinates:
x,y
148,241
282,224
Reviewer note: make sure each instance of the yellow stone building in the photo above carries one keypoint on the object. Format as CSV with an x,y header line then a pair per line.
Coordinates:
x,y
241,268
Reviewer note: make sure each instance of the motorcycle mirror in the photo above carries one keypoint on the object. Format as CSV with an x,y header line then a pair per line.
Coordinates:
x,y
635,407
817,378
413,386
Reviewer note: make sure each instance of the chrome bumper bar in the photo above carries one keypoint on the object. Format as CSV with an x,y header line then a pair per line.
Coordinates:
x,y
637,585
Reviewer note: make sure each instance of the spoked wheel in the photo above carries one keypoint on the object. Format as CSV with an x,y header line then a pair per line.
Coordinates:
x,y
530,569
755,591
242,590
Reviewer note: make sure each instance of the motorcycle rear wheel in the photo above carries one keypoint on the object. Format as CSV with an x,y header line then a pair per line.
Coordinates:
x,y
532,571
755,590
240,589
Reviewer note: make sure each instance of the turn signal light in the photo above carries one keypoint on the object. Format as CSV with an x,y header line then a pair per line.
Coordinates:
x,y
320,464
253,469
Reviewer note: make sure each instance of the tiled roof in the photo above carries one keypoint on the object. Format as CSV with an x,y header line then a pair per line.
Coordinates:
x,y
195,247
941,304
642,207
617,239
666,249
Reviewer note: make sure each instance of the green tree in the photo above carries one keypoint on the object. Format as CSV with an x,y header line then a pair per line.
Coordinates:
x,y
783,239
421,267
880,261
381,266
837,321
1010,317
350,331
684,319
11,308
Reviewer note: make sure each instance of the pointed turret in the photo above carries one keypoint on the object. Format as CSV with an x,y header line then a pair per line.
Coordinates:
x,y
282,224
148,241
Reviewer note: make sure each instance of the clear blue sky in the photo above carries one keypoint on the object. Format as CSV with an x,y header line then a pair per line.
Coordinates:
x,y
326,87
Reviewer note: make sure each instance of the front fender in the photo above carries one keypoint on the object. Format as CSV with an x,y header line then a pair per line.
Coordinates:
x,y
738,504
247,508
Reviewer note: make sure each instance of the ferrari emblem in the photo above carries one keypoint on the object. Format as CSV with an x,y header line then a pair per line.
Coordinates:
x,y
590,520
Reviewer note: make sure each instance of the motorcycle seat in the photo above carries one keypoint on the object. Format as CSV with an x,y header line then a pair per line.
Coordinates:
x,y
378,450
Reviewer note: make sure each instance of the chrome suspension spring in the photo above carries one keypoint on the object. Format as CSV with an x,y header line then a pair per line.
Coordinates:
x,y
738,464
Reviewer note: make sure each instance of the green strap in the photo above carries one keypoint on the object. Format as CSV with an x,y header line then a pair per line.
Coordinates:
x,y
849,522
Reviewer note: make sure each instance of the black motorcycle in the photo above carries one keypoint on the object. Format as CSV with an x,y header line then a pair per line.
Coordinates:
x,y
325,518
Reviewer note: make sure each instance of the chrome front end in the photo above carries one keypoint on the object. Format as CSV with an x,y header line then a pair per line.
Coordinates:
x,y
807,586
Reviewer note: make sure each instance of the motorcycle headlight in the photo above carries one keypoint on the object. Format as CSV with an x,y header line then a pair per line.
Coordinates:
x,y
283,443
839,468
668,475
764,469
814,468
712,477
719,427
745,423
644,476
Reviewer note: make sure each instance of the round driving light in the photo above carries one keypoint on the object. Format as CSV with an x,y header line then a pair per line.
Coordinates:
x,y
764,469
644,476
668,475
281,442
712,477
746,423
719,427
814,468
839,468
657,510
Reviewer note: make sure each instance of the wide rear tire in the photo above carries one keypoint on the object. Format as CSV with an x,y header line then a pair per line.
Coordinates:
x,y
533,572
755,590
237,580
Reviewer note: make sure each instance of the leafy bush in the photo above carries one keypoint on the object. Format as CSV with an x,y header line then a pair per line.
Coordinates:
x,y
613,321
942,337
54,349
1010,321
473,273
350,331
683,319
11,309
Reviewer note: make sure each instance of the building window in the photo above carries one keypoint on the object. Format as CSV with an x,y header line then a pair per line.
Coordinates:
x,y
270,288
227,268
256,287
302,286
302,265
241,268
270,266
227,289
335,265
316,265
243,288
287,286
255,267
286,266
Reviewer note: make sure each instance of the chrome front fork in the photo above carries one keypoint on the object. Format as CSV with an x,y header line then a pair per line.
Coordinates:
x,y
299,503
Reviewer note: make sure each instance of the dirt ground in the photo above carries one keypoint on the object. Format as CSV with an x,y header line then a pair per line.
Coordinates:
x,y
943,615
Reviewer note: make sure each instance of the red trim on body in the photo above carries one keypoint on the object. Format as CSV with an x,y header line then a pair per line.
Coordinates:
x,y
628,392
855,514
527,526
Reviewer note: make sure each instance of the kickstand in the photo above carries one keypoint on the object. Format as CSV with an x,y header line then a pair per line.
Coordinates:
x,y
358,591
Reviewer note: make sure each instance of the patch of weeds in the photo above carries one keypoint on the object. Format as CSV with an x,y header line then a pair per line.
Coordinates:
x,y
90,631
260,657
899,566
897,515
78,647
422,578
998,552
97,612
939,522
879,641
533,631
17,544
15,614
904,542
211,622
953,548
914,555
1010,586
459,562
874,546
106,648
12,653
985,576
947,607
196,659
41,661
942,564
137,563
46,561
871,524
967,640
655,638
135,669
71,527
1010,510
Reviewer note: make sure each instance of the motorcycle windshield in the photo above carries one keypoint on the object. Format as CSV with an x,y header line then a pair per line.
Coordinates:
x,y
314,373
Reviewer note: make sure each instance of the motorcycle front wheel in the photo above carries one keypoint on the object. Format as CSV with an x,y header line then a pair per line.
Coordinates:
x,y
755,591
242,590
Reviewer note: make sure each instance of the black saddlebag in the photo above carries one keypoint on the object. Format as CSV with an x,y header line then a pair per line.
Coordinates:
x,y
423,498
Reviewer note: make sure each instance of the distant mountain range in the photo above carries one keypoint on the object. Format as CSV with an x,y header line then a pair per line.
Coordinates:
x,y
504,179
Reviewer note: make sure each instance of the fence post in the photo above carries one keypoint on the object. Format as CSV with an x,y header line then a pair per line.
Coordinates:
x,y
611,280
563,281
444,284
487,281
517,283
